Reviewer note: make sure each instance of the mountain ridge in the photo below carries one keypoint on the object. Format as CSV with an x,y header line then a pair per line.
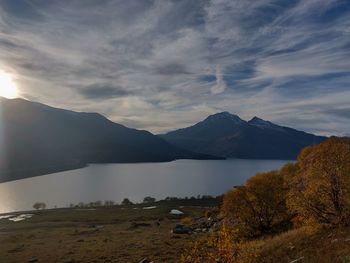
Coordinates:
x,y
227,135
37,139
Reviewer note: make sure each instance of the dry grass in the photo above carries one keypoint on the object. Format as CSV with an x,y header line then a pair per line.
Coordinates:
x,y
70,235
312,245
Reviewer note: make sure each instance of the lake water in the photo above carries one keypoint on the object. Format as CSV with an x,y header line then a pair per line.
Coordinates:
x,y
135,181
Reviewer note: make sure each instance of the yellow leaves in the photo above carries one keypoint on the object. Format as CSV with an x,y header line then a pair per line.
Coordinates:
x,y
320,189
315,189
258,207
219,247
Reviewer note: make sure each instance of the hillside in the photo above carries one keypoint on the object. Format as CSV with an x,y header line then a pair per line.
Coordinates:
x,y
37,139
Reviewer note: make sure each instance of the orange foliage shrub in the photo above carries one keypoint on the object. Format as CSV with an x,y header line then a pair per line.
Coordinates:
x,y
320,190
258,207
221,247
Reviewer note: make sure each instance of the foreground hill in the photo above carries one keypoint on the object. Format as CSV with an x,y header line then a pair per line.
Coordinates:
x,y
37,139
227,135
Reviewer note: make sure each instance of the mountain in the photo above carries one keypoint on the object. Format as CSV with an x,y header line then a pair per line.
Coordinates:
x,y
226,135
36,139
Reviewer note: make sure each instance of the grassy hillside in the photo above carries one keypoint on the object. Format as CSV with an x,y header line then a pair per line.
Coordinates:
x,y
313,245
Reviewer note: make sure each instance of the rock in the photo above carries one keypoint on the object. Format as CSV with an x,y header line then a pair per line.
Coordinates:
x,y
32,260
181,229
145,260
176,212
198,230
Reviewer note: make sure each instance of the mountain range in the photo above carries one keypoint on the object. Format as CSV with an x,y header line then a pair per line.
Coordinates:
x,y
227,135
36,139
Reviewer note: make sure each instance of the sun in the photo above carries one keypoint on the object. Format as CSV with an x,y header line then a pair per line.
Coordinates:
x,y
8,87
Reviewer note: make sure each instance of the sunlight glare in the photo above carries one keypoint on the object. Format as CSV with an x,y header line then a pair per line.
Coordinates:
x,y
8,87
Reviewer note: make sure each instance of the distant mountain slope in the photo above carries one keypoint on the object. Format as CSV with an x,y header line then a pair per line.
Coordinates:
x,y
36,139
224,134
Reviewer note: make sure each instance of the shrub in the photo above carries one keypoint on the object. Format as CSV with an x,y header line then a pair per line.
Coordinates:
x,y
126,201
219,247
39,205
149,199
320,189
258,207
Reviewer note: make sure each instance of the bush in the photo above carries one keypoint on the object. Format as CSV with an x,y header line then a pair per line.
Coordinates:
x,y
219,247
149,199
258,207
39,205
126,201
320,188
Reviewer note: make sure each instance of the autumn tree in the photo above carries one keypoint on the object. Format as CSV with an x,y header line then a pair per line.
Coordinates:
x,y
259,206
320,190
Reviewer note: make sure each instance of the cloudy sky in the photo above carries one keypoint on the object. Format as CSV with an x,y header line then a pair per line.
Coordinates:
x,y
160,65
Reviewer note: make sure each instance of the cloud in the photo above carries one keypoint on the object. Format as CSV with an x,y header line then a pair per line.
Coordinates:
x,y
220,85
339,112
171,69
286,61
103,91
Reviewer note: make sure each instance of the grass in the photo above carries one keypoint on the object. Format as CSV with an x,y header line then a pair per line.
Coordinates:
x,y
306,244
108,234
102,235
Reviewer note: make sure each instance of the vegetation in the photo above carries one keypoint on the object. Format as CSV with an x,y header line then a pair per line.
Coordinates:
x,y
39,205
126,201
149,199
304,205
258,207
320,189
106,234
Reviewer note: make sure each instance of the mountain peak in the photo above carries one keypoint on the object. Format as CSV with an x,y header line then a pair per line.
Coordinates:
x,y
226,135
224,116
256,121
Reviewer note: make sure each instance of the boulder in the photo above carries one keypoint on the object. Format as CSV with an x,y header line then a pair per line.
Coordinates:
x,y
176,212
181,229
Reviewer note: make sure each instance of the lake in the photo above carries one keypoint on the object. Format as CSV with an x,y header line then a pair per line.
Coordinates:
x,y
135,181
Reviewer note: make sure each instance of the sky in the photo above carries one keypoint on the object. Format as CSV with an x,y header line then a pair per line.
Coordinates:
x,y
162,65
